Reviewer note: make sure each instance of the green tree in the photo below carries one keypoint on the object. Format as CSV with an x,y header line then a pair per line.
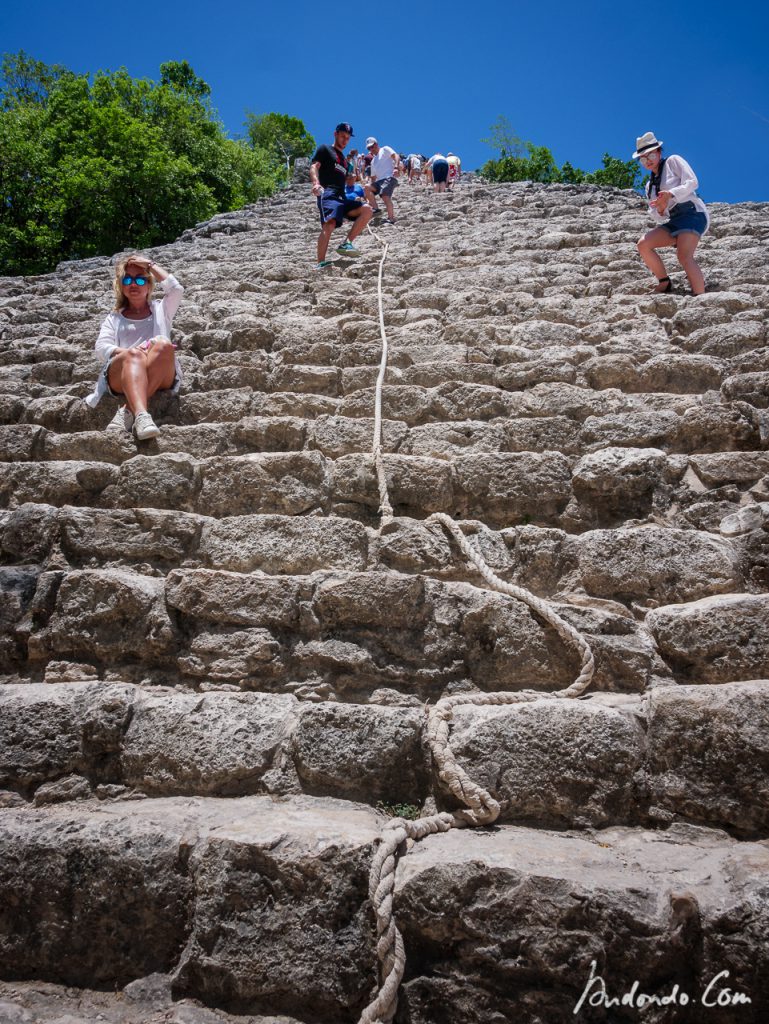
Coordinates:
x,y
24,80
178,75
280,134
504,140
571,175
283,134
90,167
537,165
30,208
523,161
620,173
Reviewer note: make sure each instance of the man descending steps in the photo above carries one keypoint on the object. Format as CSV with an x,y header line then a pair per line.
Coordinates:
x,y
328,173
386,164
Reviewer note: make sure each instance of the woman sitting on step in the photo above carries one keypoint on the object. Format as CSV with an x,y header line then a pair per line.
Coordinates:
x,y
134,343
678,210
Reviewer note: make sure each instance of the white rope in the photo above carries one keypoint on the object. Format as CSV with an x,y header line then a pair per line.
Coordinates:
x,y
480,806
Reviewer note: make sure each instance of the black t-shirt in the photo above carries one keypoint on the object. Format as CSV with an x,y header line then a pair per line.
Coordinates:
x,y
333,167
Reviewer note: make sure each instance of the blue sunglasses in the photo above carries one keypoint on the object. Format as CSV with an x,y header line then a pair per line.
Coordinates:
x,y
140,279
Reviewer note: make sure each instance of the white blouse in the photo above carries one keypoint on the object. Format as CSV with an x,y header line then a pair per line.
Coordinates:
x,y
118,331
680,180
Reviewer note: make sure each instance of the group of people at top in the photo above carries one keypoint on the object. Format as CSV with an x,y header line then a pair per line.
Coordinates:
x,y
437,170
350,187
134,341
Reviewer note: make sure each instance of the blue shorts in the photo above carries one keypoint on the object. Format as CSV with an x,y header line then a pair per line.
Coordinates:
x,y
332,205
441,171
686,217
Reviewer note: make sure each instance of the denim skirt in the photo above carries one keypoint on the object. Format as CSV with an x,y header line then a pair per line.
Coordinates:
x,y
686,217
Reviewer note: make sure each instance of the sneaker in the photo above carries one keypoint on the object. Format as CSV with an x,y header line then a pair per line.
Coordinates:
x,y
122,420
390,220
145,427
347,249
323,264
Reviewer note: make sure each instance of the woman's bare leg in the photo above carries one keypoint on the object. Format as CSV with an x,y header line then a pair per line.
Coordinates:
x,y
687,243
138,374
657,238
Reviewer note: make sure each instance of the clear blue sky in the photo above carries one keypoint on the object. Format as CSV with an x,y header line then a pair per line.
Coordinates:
x,y
582,78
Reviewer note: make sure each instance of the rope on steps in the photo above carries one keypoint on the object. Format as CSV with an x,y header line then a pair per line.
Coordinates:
x,y
480,806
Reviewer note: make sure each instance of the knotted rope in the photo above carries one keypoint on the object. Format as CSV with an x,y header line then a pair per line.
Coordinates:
x,y
480,806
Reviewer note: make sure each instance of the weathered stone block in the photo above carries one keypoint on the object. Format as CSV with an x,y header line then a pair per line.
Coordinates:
x,y
504,925
655,563
228,597
559,762
709,753
288,878
500,489
282,544
361,752
384,600
104,614
94,896
214,743
290,484
716,639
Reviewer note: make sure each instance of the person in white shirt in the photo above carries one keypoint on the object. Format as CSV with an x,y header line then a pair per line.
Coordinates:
x,y
414,165
455,169
674,205
385,165
134,344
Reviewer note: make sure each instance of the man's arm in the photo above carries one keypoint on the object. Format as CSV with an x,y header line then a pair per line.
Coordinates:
x,y
317,188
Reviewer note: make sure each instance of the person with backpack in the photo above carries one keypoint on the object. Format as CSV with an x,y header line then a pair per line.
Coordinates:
x,y
328,174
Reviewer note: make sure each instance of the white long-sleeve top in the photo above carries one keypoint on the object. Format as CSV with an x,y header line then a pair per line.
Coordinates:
x,y
118,331
680,180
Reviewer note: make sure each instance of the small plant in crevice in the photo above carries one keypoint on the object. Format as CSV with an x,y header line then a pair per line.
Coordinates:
x,y
409,811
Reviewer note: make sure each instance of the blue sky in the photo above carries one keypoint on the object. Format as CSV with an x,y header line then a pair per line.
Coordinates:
x,y
582,78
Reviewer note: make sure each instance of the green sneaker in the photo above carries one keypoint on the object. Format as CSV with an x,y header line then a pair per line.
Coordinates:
x,y
347,249
323,264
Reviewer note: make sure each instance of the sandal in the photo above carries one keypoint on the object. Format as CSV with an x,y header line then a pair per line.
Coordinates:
x,y
665,285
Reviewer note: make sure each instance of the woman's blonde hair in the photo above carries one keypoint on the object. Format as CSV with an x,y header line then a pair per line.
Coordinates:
x,y
120,300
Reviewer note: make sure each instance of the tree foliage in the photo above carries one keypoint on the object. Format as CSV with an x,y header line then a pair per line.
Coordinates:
x,y
504,140
523,161
283,136
94,165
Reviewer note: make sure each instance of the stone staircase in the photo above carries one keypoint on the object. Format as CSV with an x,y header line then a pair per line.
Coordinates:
x,y
215,663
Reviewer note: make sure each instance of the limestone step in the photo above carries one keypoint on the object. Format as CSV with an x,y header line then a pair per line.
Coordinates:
x,y
111,892
547,561
144,1001
692,428
534,351
377,619
607,487
390,621
696,753
240,900
491,921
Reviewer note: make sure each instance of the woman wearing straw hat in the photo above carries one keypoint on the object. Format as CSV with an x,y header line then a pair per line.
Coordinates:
x,y
681,215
